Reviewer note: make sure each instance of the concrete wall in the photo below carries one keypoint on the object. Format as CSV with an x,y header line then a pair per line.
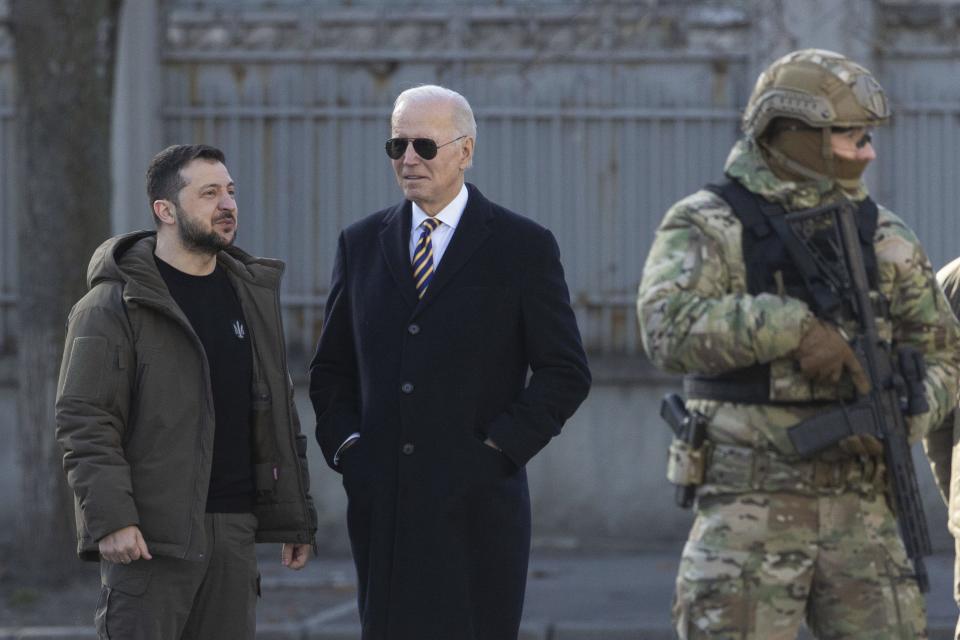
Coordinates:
x,y
599,486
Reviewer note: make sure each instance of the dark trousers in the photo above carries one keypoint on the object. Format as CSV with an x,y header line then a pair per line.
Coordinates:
x,y
170,599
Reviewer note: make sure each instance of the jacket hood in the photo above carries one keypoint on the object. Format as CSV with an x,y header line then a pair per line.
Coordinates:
x,y
747,165
128,258
104,264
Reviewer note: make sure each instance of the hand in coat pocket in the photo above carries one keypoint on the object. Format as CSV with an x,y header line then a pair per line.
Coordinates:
x,y
492,453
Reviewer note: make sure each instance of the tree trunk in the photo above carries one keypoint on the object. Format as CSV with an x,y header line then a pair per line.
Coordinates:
x,y
64,52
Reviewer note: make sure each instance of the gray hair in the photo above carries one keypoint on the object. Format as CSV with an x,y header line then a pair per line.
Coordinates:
x,y
463,121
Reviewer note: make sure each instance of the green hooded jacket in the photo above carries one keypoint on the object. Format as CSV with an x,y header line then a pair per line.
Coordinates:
x,y
135,411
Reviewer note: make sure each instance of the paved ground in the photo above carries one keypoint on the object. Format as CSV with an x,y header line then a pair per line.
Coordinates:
x,y
570,596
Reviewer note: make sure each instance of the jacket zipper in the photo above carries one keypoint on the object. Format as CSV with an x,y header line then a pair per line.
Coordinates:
x,y
208,396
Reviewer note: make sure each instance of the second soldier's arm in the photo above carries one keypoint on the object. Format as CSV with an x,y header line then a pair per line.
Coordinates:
x,y
938,443
922,318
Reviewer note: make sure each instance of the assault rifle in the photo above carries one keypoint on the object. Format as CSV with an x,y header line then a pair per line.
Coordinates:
x,y
896,382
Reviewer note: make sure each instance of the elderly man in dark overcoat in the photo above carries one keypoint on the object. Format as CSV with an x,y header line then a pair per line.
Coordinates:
x,y
449,357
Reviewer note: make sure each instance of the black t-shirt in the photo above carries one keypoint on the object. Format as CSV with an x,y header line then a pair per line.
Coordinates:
x,y
213,309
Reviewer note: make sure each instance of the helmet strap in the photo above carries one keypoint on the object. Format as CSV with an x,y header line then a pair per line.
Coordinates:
x,y
826,151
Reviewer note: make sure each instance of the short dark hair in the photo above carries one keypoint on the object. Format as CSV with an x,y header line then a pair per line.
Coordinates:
x,y
163,175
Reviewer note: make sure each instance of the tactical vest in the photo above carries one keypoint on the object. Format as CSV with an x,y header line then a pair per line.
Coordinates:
x,y
771,269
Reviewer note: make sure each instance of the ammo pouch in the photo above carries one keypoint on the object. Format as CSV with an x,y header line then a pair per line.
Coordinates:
x,y
732,469
686,466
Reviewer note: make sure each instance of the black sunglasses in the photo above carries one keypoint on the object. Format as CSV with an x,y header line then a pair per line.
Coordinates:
x,y
425,147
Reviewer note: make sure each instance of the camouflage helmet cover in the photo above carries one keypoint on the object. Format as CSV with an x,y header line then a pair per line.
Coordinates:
x,y
818,87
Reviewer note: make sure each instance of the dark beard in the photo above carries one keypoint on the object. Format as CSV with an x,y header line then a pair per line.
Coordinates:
x,y
196,239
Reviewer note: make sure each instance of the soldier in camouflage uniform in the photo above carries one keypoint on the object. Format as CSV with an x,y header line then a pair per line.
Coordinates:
x,y
779,539
940,444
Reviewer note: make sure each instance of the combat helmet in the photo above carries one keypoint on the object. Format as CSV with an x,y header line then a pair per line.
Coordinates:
x,y
798,102
818,87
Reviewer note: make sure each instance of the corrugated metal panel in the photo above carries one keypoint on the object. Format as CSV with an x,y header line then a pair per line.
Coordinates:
x,y
590,121
595,145
595,140
919,155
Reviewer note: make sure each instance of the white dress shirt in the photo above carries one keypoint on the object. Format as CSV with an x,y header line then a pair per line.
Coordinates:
x,y
449,218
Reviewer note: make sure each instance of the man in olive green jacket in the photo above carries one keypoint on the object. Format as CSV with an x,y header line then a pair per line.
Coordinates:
x,y
175,412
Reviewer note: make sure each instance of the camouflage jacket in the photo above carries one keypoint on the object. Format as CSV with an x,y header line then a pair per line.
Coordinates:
x,y
940,444
697,317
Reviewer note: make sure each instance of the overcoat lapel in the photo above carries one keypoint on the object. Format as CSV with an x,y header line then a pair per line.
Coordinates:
x,y
395,244
473,229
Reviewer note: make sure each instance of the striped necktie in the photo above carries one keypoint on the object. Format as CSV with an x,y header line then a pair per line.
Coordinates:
x,y
423,256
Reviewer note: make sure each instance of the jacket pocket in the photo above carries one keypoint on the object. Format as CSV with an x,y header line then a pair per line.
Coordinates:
x,y
262,424
120,605
301,444
131,579
494,459
301,441
266,475
266,468
88,359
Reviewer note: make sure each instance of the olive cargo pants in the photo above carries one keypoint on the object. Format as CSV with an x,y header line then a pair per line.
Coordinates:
x,y
169,599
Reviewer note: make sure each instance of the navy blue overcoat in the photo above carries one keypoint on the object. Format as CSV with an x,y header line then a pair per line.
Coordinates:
x,y
439,522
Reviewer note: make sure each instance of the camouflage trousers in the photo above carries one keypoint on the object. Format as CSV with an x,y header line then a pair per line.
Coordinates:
x,y
757,565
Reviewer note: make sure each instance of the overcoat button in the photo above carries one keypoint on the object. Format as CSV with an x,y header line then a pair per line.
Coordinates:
x,y
407,387
407,449
413,329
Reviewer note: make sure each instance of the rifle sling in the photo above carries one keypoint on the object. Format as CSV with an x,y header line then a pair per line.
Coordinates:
x,y
750,385
769,245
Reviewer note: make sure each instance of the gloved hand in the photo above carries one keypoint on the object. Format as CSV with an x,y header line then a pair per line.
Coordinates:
x,y
823,354
862,445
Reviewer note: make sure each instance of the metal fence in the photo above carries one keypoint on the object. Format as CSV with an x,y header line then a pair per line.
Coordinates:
x,y
592,119
919,156
594,144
